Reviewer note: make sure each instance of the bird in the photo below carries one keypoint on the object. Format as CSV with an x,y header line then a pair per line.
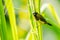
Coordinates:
x,y
40,17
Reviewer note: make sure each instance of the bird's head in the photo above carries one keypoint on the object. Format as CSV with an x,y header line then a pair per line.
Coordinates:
x,y
35,13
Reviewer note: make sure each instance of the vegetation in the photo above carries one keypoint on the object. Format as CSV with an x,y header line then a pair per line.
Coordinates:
x,y
17,21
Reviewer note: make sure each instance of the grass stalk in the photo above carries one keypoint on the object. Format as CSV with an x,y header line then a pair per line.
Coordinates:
x,y
39,28
31,16
32,19
53,12
33,27
4,33
11,14
34,5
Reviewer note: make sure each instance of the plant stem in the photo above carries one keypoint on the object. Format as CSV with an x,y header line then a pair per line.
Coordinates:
x,y
33,27
34,5
53,12
4,33
39,28
11,14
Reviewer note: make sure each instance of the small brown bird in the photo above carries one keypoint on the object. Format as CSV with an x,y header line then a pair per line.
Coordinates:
x,y
40,17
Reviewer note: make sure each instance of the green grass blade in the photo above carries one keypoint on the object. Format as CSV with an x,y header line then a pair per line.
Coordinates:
x,y
53,12
32,20
11,14
52,15
4,33
39,28
31,16
36,4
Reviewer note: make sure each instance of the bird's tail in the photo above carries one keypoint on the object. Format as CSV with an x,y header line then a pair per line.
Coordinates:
x,y
48,23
